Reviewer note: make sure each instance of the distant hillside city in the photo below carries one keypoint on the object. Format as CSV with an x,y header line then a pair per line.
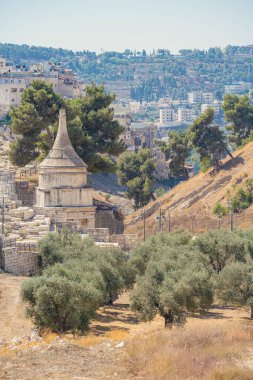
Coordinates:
x,y
155,92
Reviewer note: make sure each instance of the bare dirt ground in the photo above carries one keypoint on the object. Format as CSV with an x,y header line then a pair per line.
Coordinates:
x,y
12,311
104,353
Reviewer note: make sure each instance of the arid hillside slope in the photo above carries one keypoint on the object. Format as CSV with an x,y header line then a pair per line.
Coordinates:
x,y
191,203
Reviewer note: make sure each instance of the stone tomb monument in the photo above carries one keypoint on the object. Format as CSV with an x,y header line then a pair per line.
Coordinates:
x,y
63,193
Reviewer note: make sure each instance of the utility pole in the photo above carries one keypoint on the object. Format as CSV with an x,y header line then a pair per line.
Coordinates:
x,y
192,225
219,220
144,225
231,217
169,221
3,206
160,220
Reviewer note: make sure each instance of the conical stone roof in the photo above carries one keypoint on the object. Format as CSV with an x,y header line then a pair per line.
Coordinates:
x,y
62,153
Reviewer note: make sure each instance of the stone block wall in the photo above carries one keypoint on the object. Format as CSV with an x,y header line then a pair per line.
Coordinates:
x,y
26,192
20,258
106,219
7,185
126,241
98,234
77,217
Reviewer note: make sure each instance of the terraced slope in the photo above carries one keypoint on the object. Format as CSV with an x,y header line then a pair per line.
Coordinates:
x,y
191,203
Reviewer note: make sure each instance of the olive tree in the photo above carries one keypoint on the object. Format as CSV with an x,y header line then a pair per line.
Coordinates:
x,y
235,285
221,247
175,283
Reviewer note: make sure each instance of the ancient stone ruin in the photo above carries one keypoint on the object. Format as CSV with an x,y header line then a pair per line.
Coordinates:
x,y
63,198
63,193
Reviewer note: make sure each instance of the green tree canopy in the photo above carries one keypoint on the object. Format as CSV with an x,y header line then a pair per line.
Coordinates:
x,y
208,139
136,172
61,303
235,285
39,109
93,131
176,150
75,275
223,247
176,281
239,113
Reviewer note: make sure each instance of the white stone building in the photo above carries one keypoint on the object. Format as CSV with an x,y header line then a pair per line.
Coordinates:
x,y
186,115
207,97
237,88
215,106
14,81
200,97
167,115
194,97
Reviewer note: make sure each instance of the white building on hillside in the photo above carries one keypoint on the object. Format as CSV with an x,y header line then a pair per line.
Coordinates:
x,y
167,115
194,97
215,106
13,82
200,97
186,114
207,97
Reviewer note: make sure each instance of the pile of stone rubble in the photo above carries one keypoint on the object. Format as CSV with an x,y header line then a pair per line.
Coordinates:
x,y
20,223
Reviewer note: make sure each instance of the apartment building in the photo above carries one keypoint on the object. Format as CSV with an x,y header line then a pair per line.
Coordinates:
x,y
167,115
194,97
215,106
207,97
13,82
11,90
186,115
200,97
237,88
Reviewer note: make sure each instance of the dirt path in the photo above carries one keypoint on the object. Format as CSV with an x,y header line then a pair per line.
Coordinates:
x,y
12,311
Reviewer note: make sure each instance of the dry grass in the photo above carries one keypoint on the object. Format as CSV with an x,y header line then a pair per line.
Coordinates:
x,y
211,350
192,202
231,374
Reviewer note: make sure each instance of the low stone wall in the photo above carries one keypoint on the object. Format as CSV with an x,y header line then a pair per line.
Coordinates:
x,y
26,192
7,185
20,258
98,234
76,217
106,219
126,241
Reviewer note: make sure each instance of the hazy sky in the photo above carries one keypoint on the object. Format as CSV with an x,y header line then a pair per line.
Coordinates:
x,y
133,24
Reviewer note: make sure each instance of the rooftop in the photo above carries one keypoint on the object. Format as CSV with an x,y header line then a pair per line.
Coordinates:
x,y
62,153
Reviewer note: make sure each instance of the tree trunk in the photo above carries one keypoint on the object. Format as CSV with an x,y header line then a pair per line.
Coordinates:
x,y
226,149
50,137
251,311
168,319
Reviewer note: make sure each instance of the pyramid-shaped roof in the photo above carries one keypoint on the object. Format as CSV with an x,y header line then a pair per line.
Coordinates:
x,y
62,153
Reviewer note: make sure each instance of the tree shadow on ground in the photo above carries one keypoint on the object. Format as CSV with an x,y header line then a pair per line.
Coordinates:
x,y
101,330
212,313
109,316
113,317
233,163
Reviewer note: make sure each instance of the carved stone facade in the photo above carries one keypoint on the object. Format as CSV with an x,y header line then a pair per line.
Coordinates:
x,y
63,198
63,192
